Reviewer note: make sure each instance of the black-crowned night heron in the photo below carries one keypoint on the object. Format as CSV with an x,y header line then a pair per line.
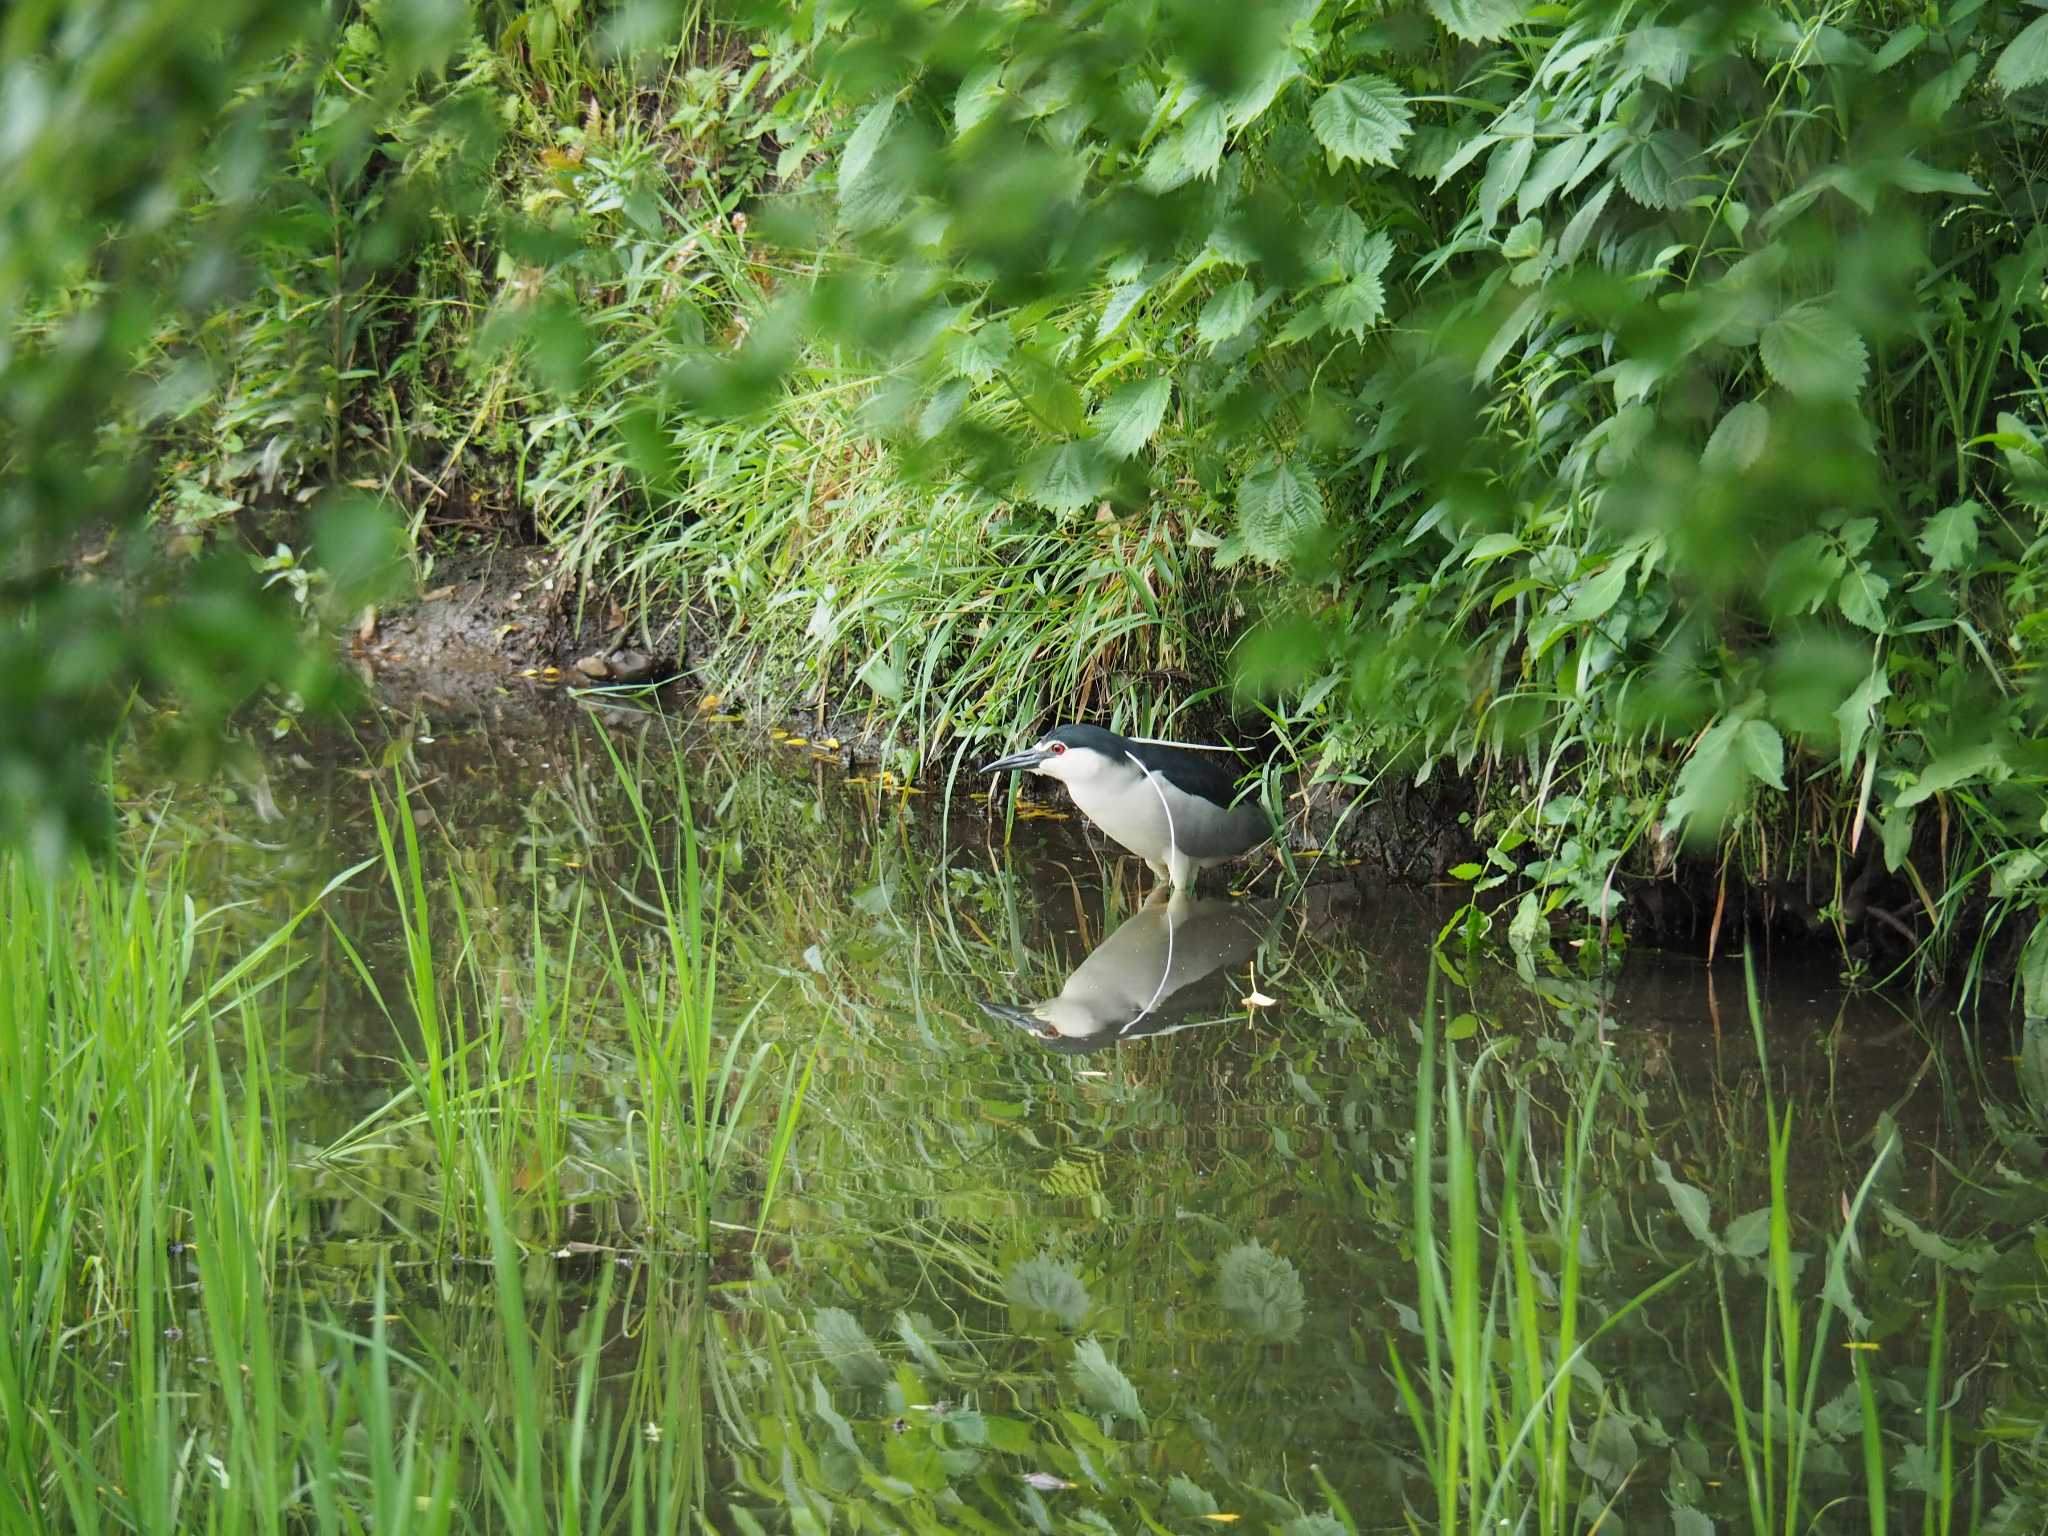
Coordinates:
x,y
1141,979
1178,808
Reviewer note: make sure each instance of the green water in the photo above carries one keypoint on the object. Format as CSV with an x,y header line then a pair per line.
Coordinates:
x,y
1142,1257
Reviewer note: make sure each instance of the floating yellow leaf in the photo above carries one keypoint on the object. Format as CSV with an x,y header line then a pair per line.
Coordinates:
x,y
796,741
1860,1344
1221,1518
709,702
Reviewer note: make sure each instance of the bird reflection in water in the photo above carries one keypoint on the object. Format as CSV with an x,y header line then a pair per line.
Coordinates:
x,y
1142,979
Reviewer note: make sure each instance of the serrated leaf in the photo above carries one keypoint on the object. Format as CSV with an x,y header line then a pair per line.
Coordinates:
x,y
1579,229
2025,60
1558,165
1064,477
1947,771
1044,1284
979,353
1227,312
1364,118
1814,352
1950,537
1861,597
1859,710
1261,1292
1103,1387
846,1348
1354,307
1277,507
1738,440
1129,417
1194,148
1336,244
1691,1204
977,97
1477,21
1717,776
919,1336
1652,169
1505,168
1748,1234
1762,751
862,144
1189,1498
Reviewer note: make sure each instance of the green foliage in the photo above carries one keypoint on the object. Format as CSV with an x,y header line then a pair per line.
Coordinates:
x,y
1044,1284
1261,1292
1600,490
1636,409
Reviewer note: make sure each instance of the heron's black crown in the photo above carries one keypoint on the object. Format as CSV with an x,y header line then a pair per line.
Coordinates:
x,y
1211,776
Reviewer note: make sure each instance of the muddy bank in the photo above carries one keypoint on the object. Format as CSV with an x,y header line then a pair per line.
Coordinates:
x,y
495,627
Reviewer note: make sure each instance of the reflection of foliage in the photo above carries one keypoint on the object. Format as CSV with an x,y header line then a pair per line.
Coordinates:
x,y
1044,1284
1261,1292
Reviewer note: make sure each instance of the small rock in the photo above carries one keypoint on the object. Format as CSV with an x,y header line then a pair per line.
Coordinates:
x,y
594,667
632,666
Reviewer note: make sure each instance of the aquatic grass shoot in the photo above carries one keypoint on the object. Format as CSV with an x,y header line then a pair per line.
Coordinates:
x,y
1492,1403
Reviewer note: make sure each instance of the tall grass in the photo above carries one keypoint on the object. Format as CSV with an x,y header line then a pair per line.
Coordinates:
x,y
172,1359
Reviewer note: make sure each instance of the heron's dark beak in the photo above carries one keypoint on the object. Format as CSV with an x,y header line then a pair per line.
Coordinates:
x,y
1030,757
1014,1013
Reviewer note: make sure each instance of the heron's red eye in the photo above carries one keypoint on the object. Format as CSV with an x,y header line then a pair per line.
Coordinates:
x,y
1058,747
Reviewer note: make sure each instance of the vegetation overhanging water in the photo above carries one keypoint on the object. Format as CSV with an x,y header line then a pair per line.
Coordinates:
x,y
585,1130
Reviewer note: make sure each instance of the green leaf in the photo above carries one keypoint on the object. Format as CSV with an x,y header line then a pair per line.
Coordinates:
x,y
1477,21
1579,229
1505,168
1719,773
1600,592
1748,1234
1467,871
2025,60
977,97
1856,713
1227,313
1044,1284
920,1335
1652,169
1861,597
1364,118
1261,1292
1463,1027
1762,751
1815,353
1950,769
1129,418
1738,440
1691,1204
1950,537
1103,1387
862,143
1336,244
1277,507
1356,305
846,1349
1064,477
1194,148
1188,1498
